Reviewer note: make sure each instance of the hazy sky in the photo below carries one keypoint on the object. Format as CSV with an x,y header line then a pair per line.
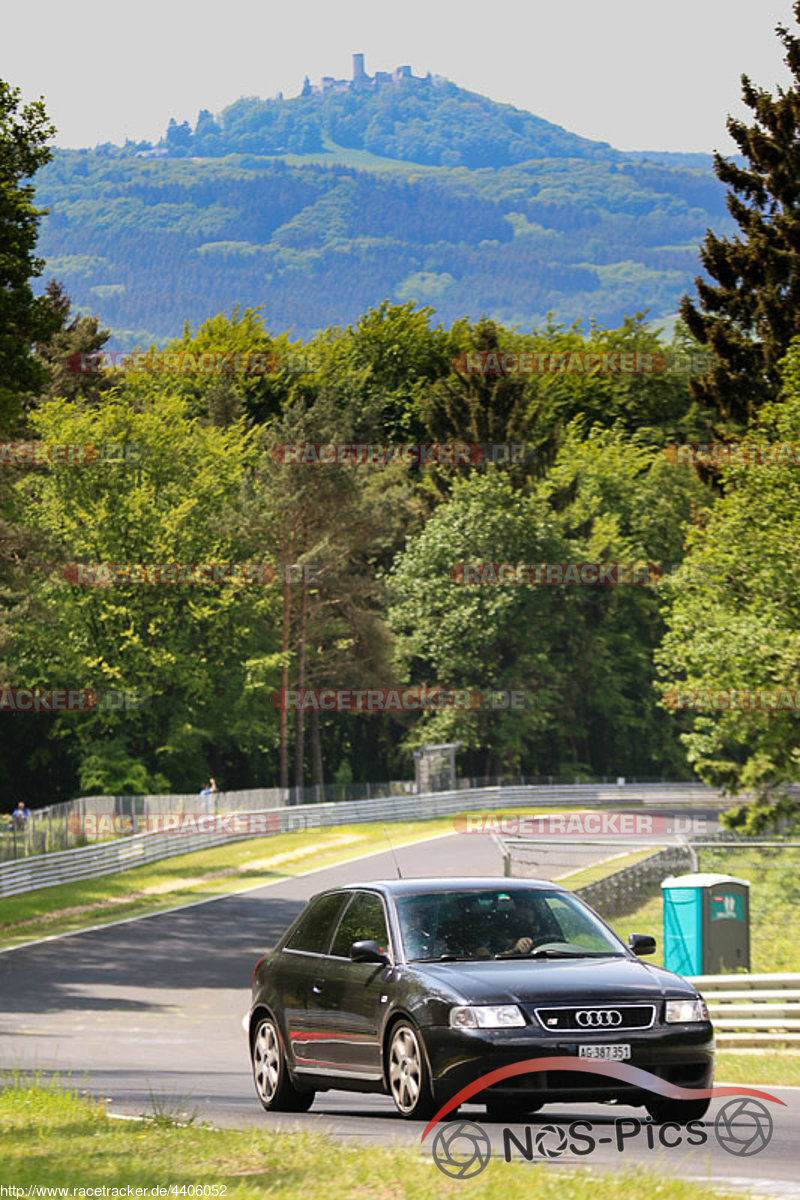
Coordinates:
x,y
639,74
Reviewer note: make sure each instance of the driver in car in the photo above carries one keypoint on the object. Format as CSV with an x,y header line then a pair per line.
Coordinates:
x,y
520,927
513,927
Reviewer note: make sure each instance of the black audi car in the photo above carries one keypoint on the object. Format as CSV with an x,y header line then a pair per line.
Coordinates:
x,y
419,987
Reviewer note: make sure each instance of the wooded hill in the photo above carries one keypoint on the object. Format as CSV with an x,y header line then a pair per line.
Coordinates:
x,y
318,207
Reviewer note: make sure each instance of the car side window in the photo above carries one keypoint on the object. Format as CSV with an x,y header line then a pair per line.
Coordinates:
x,y
363,920
314,932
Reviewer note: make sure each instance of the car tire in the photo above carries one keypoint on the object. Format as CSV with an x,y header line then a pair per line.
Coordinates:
x,y
407,1073
511,1110
274,1087
679,1112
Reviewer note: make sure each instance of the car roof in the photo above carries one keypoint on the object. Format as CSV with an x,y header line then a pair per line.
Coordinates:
x,y
410,887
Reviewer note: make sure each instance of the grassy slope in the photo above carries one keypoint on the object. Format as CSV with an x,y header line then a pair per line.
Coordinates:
x,y
609,866
774,946
195,876
54,1138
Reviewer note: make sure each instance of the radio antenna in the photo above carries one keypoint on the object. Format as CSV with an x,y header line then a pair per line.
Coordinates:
x,y
394,856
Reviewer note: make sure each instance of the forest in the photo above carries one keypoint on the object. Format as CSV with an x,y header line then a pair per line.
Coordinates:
x,y
251,537
366,583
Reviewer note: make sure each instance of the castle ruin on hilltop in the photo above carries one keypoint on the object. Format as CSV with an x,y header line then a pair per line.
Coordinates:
x,y
360,79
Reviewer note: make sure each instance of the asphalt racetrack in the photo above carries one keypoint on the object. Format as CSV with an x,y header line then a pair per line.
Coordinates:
x,y
149,1012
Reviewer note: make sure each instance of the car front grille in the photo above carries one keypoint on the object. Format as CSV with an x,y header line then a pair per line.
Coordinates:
x,y
596,1018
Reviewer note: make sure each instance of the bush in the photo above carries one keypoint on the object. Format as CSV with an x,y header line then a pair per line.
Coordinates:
x,y
762,817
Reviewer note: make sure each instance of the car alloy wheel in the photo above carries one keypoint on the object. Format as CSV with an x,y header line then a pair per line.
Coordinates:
x,y
408,1073
267,1062
275,1089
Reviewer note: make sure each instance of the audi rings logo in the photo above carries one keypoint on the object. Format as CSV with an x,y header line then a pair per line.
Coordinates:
x,y
461,1149
594,1018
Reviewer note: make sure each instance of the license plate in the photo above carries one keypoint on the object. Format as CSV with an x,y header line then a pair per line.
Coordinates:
x,y
616,1052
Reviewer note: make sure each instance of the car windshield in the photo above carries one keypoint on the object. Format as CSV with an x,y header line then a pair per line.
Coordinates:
x,y
485,923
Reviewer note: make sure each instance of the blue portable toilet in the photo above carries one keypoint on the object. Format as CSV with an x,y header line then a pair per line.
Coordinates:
x,y
706,924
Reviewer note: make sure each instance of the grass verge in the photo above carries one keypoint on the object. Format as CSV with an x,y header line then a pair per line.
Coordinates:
x,y
54,1138
770,1067
609,866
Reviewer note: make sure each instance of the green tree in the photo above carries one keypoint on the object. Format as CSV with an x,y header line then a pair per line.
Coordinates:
x,y
732,617
532,408
582,654
184,649
69,351
748,316
621,503
318,522
481,409
239,377
24,318
459,636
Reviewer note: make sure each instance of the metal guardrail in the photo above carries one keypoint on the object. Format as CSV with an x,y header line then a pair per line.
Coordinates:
x,y
63,826
73,823
753,1010
524,856
617,894
85,862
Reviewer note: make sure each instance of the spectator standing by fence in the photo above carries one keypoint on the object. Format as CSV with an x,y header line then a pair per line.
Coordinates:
x,y
206,792
20,816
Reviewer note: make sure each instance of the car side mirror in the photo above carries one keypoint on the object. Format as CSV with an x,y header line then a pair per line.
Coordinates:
x,y
368,951
642,943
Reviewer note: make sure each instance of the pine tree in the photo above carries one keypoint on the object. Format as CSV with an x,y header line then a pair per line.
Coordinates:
x,y
64,351
751,314
24,132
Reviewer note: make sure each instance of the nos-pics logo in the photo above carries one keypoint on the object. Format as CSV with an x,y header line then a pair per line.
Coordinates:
x,y
462,1149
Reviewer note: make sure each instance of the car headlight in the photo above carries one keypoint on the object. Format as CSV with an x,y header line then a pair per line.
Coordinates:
x,y
681,1011
486,1016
